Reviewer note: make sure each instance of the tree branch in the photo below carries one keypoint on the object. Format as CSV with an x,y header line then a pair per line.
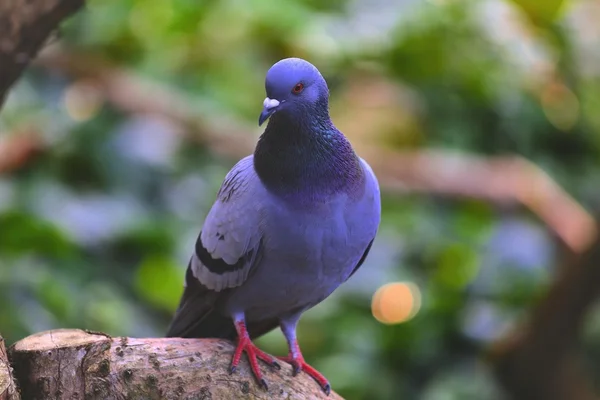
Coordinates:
x,y
502,180
24,27
539,361
8,388
505,180
74,364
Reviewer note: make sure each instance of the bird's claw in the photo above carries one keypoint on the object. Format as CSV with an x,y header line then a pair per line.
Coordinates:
x,y
263,383
254,354
298,364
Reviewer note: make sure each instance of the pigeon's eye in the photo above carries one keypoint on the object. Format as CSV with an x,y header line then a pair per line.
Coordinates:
x,y
298,88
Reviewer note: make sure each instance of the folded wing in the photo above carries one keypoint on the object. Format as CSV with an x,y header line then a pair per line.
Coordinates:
x,y
226,251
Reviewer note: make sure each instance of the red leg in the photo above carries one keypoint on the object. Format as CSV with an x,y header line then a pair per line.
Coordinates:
x,y
296,359
254,354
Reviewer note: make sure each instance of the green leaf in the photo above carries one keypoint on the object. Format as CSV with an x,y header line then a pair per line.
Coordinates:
x,y
542,13
21,232
457,266
159,280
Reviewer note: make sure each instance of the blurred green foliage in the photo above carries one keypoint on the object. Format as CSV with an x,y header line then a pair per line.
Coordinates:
x,y
97,230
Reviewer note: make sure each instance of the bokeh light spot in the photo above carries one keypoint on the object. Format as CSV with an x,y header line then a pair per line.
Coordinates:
x,y
396,302
82,101
560,105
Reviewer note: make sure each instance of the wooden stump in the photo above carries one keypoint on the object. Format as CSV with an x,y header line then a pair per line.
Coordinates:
x,y
8,388
74,364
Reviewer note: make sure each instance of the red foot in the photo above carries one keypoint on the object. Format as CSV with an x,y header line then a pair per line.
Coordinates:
x,y
254,354
299,364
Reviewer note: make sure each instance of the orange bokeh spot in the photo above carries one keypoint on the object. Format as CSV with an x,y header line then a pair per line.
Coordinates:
x,y
396,302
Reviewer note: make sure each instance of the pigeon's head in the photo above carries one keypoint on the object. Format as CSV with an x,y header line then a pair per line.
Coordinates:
x,y
294,86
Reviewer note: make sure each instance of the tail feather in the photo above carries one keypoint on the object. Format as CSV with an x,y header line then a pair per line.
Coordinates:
x,y
198,316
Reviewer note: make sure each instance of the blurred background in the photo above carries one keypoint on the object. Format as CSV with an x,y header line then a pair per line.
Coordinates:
x,y
481,118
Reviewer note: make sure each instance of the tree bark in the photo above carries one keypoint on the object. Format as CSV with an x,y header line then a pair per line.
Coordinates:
x,y
8,388
24,27
75,364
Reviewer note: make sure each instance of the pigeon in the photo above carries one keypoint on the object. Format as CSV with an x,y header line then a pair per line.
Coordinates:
x,y
290,224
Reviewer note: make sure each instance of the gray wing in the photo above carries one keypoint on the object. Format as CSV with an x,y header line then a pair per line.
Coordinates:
x,y
362,259
370,210
229,244
226,251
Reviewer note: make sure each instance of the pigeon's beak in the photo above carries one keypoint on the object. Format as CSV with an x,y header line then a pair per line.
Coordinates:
x,y
269,108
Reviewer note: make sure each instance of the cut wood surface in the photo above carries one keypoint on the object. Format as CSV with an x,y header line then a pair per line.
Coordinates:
x,y
8,388
75,364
